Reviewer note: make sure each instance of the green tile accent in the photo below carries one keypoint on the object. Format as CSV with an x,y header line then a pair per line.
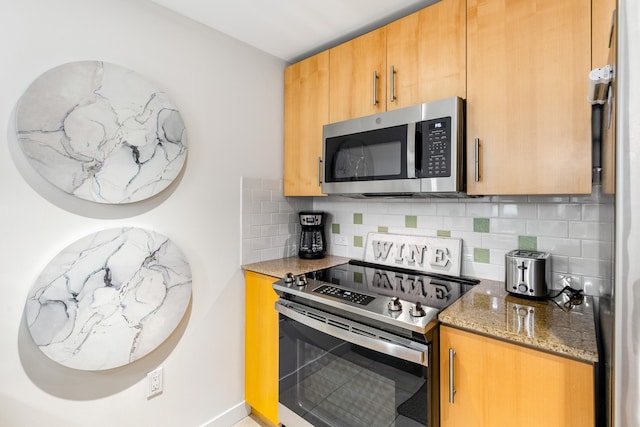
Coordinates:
x,y
357,277
481,225
357,241
528,243
481,255
444,233
382,229
335,228
357,218
411,221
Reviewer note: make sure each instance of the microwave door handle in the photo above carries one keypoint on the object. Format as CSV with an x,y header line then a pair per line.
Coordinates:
x,y
414,151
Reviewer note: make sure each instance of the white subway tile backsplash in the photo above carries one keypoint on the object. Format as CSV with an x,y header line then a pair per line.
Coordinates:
x,y
510,199
272,184
270,224
278,218
451,209
261,195
548,199
596,249
395,208
457,223
433,222
259,243
563,211
286,207
422,209
591,267
518,210
509,226
576,230
483,210
559,246
547,228
499,241
470,239
559,264
269,230
260,219
591,231
270,207
600,213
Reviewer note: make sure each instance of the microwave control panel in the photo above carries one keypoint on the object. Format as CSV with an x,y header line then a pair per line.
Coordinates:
x,y
436,147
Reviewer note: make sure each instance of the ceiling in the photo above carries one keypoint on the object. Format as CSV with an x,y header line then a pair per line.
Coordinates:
x,y
293,29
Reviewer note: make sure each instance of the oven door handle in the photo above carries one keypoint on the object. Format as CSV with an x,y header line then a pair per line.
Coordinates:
x,y
356,333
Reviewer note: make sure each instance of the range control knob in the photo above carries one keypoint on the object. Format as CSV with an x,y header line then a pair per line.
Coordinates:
x,y
417,310
288,278
301,280
394,304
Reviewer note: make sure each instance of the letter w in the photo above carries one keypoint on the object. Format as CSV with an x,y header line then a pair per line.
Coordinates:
x,y
381,249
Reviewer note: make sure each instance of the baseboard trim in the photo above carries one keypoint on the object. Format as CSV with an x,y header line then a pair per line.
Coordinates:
x,y
230,416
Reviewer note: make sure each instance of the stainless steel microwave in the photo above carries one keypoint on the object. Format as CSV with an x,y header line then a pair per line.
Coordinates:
x,y
412,151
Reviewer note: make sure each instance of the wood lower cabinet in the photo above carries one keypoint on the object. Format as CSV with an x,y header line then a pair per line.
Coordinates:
x,y
501,384
527,115
306,110
261,347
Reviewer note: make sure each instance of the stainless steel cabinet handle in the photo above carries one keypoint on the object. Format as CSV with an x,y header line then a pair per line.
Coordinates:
x,y
319,171
477,160
452,389
392,76
375,87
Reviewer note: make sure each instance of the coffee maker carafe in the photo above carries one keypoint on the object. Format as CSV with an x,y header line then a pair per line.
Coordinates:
x,y
312,243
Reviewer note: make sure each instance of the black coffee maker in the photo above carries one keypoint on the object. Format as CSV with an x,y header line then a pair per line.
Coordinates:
x,y
312,243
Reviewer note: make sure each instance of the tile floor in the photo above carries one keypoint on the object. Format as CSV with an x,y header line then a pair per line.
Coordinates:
x,y
249,421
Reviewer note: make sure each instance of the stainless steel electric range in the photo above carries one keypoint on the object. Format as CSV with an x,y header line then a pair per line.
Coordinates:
x,y
359,341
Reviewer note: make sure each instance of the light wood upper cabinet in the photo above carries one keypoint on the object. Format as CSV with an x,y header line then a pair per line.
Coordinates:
x,y
601,31
306,110
427,51
502,384
602,40
528,63
357,77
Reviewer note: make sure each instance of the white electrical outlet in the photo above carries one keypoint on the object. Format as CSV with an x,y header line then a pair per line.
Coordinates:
x,y
154,382
340,239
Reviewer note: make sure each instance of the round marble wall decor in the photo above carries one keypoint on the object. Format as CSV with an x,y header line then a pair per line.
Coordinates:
x,y
109,299
101,132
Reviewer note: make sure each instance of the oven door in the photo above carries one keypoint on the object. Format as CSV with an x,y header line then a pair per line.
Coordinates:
x,y
339,373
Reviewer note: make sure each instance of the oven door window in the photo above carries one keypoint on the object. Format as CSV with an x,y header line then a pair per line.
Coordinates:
x,y
331,382
365,156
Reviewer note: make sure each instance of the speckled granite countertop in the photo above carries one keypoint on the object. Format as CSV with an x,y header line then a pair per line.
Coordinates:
x,y
280,267
488,309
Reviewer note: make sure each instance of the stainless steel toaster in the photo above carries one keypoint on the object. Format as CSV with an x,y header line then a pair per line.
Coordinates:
x,y
528,273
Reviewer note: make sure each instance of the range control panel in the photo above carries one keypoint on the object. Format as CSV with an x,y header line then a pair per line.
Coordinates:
x,y
436,147
345,295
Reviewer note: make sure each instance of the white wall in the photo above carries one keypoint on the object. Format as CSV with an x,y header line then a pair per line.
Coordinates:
x,y
230,97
